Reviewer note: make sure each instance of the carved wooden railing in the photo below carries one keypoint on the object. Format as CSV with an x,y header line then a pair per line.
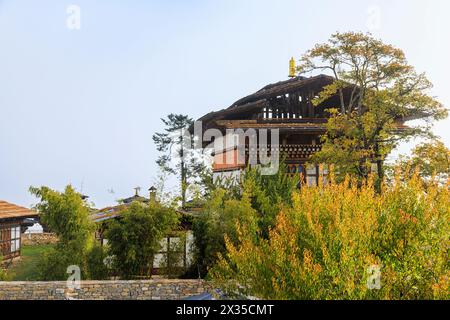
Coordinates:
x,y
291,151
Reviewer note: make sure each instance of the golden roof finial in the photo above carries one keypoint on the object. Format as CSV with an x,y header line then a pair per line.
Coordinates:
x,y
292,68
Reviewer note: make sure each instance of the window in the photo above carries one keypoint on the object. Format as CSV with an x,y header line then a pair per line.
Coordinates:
x,y
173,243
15,239
311,181
323,173
3,243
311,175
9,239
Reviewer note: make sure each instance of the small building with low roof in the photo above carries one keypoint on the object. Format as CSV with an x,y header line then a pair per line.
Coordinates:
x,y
12,219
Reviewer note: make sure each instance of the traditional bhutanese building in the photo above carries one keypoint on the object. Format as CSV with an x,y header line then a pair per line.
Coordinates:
x,y
286,106
12,219
182,236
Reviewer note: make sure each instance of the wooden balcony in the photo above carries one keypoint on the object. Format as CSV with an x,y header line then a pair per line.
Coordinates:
x,y
290,151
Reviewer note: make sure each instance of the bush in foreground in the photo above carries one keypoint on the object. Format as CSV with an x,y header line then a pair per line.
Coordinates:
x,y
343,242
134,240
3,275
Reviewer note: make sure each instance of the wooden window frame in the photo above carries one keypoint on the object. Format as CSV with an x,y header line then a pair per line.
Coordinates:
x,y
6,240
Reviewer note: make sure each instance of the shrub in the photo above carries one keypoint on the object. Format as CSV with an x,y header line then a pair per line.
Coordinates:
x,y
135,238
98,269
219,218
66,214
53,264
3,275
269,194
329,242
254,203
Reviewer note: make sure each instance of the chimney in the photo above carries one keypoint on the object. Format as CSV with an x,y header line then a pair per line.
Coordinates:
x,y
152,190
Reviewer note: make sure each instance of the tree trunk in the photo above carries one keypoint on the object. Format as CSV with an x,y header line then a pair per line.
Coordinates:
x,y
183,176
183,184
380,169
363,175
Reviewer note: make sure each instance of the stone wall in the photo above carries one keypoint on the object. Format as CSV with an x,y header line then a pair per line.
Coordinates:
x,y
34,239
161,289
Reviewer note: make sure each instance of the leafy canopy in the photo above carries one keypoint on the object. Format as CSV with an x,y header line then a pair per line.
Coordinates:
x,y
67,215
377,90
64,213
431,159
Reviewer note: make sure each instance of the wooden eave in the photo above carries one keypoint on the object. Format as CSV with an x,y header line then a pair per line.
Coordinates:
x,y
260,99
249,124
12,211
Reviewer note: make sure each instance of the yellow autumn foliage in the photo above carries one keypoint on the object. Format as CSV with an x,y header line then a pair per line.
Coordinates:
x,y
340,241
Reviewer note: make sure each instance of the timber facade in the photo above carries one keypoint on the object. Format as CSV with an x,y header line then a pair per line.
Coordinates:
x,y
11,221
286,106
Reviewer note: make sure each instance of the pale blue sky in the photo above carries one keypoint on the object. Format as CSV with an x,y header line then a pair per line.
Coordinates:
x,y
81,106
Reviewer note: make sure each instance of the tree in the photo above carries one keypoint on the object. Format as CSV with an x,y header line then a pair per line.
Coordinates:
x,y
67,215
253,204
269,194
430,159
377,88
135,238
174,144
220,217
96,263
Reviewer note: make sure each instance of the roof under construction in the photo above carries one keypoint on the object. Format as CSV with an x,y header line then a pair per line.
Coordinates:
x,y
288,105
290,98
